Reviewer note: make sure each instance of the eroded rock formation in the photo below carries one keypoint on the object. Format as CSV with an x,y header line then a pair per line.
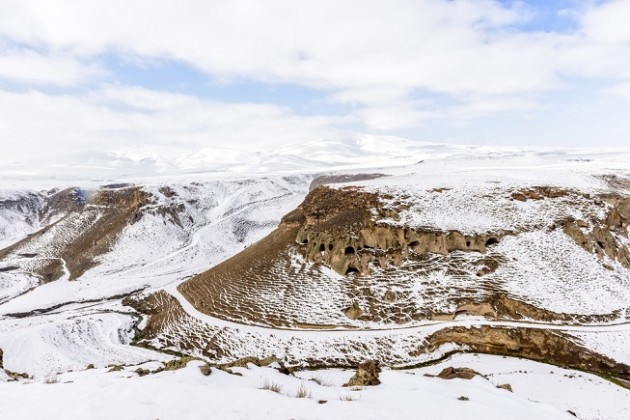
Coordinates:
x,y
459,373
604,237
337,229
366,374
535,344
79,226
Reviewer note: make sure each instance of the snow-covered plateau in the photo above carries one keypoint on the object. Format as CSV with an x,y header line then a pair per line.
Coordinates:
x,y
127,298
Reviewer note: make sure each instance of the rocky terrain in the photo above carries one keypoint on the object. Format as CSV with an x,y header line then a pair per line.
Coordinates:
x,y
525,258
353,257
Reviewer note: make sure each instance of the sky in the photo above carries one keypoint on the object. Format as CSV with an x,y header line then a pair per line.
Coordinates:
x,y
185,84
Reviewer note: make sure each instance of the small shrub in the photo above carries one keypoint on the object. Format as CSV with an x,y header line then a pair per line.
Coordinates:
x,y
52,379
142,372
271,386
303,392
348,397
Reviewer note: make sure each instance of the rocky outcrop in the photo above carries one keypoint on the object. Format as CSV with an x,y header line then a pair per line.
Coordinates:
x,y
62,202
541,192
82,226
206,369
366,375
337,229
162,309
502,307
507,387
602,237
535,344
122,208
338,179
459,373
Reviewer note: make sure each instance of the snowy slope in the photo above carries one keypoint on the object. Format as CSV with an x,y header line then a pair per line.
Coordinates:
x,y
18,215
71,324
541,265
220,217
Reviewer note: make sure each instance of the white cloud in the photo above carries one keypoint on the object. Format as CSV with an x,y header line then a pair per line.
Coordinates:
x,y
386,59
137,124
620,89
30,67
608,22
438,45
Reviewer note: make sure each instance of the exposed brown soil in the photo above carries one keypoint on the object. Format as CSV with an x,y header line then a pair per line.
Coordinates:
x,y
123,208
243,363
539,193
335,228
237,288
88,231
535,344
617,182
339,179
234,287
162,308
457,373
173,328
600,237
502,307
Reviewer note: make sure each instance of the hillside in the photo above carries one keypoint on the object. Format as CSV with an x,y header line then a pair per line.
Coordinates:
x,y
458,260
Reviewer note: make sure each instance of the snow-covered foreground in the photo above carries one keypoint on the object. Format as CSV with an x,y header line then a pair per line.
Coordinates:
x,y
540,392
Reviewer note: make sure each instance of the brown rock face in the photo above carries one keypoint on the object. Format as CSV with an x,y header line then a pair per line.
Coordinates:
x,y
501,306
101,216
338,179
507,387
366,375
600,237
461,373
539,193
353,312
535,344
337,230
162,308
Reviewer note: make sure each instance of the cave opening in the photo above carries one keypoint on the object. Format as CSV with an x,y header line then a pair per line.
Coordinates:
x,y
492,241
352,270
